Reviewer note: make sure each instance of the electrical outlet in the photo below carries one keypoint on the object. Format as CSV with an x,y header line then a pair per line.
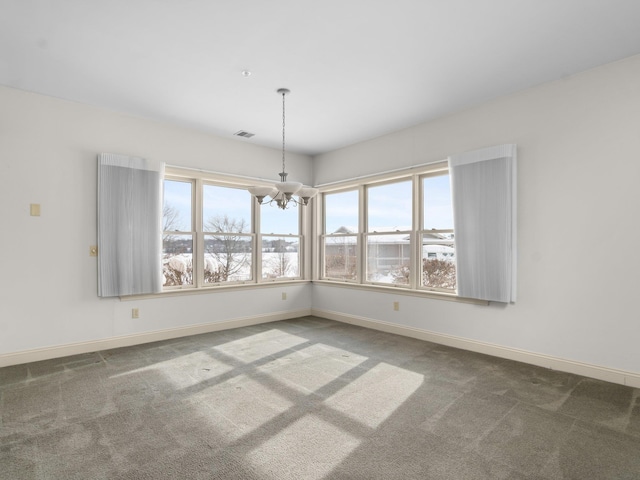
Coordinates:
x,y
135,313
396,306
284,295
34,209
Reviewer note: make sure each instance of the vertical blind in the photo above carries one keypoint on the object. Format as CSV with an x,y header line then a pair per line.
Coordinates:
x,y
483,184
129,225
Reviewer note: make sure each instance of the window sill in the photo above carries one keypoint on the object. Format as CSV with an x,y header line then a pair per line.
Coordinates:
x,y
450,297
178,292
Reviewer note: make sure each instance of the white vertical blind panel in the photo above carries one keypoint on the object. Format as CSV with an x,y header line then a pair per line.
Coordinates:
x,y
483,189
129,225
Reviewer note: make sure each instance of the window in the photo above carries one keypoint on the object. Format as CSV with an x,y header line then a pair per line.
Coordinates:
x,y
406,239
280,241
388,238
178,233
215,233
437,243
340,239
228,241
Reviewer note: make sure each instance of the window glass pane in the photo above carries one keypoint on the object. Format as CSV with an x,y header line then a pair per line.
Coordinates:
x,y
226,209
438,261
227,258
177,206
177,260
388,258
280,257
437,207
276,220
340,257
389,207
341,212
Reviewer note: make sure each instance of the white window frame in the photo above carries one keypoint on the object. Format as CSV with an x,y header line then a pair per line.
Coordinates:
x,y
422,231
202,234
199,179
324,236
415,175
410,233
195,248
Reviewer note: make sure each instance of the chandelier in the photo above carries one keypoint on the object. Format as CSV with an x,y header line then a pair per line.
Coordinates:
x,y
282,193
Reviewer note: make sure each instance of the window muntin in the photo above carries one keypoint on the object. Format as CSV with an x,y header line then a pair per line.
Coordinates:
x,y
178,233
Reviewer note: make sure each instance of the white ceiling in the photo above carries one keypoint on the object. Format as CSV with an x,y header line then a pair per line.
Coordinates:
x,y
357,69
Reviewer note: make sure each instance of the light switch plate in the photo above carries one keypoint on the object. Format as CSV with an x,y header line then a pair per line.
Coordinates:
x,y
93,251
34,209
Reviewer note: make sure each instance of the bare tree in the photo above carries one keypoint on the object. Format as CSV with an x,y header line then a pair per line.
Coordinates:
x,y
401,274
170,218
280,264
177,268
228,251
438,273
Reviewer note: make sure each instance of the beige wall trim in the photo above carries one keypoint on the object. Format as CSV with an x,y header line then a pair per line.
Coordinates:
x,y
621,377
140,338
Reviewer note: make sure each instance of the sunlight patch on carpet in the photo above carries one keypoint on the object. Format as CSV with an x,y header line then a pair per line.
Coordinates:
x,y
373,397
317,446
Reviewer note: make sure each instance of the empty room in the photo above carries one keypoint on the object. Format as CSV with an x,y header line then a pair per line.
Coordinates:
x,y
319,240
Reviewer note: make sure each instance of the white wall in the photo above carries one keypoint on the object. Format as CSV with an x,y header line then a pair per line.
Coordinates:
x,y
579,171
48,151
578,218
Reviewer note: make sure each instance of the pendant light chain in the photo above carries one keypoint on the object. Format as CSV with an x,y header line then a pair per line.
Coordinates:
x,y
283,123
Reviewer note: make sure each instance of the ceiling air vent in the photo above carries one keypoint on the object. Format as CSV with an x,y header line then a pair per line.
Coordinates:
x,y
242,133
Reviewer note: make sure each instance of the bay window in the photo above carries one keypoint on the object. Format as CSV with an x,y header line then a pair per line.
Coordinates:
x,y
394,232
216,234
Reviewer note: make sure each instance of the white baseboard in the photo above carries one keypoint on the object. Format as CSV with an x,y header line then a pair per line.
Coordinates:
x,y
631,379
48,353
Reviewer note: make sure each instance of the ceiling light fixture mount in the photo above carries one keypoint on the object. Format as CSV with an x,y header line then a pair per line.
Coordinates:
x,y
282,193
